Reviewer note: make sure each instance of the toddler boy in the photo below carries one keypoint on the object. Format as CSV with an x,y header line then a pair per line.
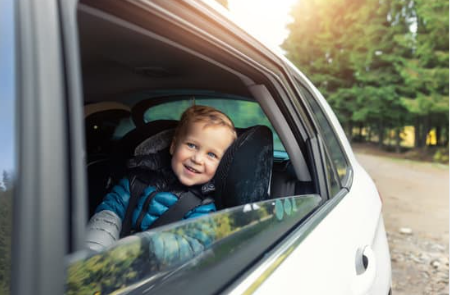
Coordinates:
x,y
198,145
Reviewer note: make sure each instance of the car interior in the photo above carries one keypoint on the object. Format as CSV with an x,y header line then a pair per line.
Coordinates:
x,y
136,84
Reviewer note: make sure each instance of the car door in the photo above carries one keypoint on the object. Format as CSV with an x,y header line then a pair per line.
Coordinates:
x,y
333,241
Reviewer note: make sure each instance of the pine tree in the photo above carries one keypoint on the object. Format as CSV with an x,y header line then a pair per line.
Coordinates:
x,y
347,49
425,71
7,183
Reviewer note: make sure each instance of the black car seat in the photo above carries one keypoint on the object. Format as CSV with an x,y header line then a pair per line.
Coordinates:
x,y
243,175
126,147
285,183
109,169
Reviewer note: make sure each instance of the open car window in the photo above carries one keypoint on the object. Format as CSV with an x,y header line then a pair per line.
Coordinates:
x,y
218,247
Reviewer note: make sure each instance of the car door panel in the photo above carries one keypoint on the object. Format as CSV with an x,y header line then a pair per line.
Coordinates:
x,y
325,262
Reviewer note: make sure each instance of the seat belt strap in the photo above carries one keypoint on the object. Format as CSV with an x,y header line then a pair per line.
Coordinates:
x,y
186,203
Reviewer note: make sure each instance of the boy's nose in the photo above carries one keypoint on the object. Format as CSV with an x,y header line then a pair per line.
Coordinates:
x,y
197,158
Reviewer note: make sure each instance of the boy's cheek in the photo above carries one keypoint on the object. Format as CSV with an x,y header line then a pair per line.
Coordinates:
x,y
214,167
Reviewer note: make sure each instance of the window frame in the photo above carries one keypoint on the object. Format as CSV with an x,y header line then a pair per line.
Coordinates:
x,y
302,82
41,208
333,132
8,134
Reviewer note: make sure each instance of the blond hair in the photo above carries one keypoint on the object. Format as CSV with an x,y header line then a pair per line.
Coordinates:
x,y
208,115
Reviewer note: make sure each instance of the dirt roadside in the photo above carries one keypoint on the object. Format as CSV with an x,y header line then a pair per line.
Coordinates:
x,y
416,214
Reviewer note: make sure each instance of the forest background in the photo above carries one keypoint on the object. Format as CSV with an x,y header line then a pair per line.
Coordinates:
x,y
383,67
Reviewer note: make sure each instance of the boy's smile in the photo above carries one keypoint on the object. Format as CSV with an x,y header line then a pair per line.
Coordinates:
x,y
197,154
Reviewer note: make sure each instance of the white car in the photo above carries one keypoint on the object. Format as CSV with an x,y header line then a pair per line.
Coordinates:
x,y
93,79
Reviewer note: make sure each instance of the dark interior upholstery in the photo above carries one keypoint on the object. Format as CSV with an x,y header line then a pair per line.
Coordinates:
x,y
285,183
125,148
109,169
244,173
99,129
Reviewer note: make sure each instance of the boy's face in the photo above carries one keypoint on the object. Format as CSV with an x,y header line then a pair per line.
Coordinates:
x,y
197,154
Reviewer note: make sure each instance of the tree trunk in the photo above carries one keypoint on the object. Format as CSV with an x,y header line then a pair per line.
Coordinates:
x,y
369,134
389,138
398,139
380,133
360,133
438,135
417,133
445,137
425,131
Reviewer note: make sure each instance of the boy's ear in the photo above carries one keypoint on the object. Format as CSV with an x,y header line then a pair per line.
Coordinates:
x,y
172,146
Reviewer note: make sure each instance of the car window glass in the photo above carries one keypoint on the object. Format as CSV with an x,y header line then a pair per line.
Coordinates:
x,y
7,138
242,113
328,134
333,179
123,127
184,254
106,127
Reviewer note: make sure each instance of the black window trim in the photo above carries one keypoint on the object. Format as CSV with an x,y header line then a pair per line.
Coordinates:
x,y
347,181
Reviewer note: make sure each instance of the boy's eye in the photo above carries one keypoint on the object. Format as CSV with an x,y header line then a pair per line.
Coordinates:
x,y
191,145
212,155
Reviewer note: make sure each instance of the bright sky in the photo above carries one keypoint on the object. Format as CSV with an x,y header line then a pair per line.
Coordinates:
x,y
6,88
266,19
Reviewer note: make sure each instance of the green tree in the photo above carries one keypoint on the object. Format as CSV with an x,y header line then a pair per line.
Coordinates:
x,y
347,49
425,70
374,69
6,197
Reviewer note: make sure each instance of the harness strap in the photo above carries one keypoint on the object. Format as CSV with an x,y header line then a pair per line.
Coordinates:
x,y
137,187
145,209
186,203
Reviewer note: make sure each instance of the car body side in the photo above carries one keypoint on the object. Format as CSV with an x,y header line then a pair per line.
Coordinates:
x,y
316,257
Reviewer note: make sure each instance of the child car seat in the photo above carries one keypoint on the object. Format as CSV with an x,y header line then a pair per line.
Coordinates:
x,y
243,175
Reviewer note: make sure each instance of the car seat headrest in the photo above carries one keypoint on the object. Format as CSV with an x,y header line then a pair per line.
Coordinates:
x,y
127,146
243,175
142,133
155,143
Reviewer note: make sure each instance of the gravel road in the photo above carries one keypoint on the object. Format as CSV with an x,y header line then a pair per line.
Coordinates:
x,y
415,209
